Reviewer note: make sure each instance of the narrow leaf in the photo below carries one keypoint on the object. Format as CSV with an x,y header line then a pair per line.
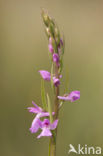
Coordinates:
x,y
52,84
61,65
61,103
43,95
49,108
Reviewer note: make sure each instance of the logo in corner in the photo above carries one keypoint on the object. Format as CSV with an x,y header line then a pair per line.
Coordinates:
x,y
72,149
85,149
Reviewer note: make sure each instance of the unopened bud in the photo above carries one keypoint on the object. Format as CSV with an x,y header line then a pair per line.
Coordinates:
x,y
46,18
48,31
57,36
56,59
51,27
51,48
53,43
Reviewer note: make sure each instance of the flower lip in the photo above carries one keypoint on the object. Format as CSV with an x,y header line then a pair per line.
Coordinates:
x,y
74,95
46,123
47,127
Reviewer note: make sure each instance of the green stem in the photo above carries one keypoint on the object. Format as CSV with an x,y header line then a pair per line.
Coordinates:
x,y
52,145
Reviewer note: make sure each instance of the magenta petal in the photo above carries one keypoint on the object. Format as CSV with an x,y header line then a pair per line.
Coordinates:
x,y
65,98
60,76
50,45
37,107
74,95
56,59
36,124
45,75
43,114
34,104
54,125
45,132
33,110
56,81
51,48
50,40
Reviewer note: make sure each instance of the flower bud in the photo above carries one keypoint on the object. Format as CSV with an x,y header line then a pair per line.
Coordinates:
x,y
51,48
46,18
57,36
56,59
56,81
48,31
51,27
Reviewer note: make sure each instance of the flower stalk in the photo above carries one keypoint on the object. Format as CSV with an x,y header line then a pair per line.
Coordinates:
x,y
54,42
53,139
47,126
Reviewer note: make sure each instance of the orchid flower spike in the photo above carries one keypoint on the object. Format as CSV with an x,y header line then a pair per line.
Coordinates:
x,y
36,123
73,96
56,45
46,127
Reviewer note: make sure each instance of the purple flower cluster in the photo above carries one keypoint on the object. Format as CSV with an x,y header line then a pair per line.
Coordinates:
x,y
44,125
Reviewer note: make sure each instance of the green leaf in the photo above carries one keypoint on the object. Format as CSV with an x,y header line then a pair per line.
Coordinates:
x,y
61,104
49,108
43,95
52,84
57,35
61,65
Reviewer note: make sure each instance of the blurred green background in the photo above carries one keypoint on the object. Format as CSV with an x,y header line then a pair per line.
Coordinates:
x,y
24,51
